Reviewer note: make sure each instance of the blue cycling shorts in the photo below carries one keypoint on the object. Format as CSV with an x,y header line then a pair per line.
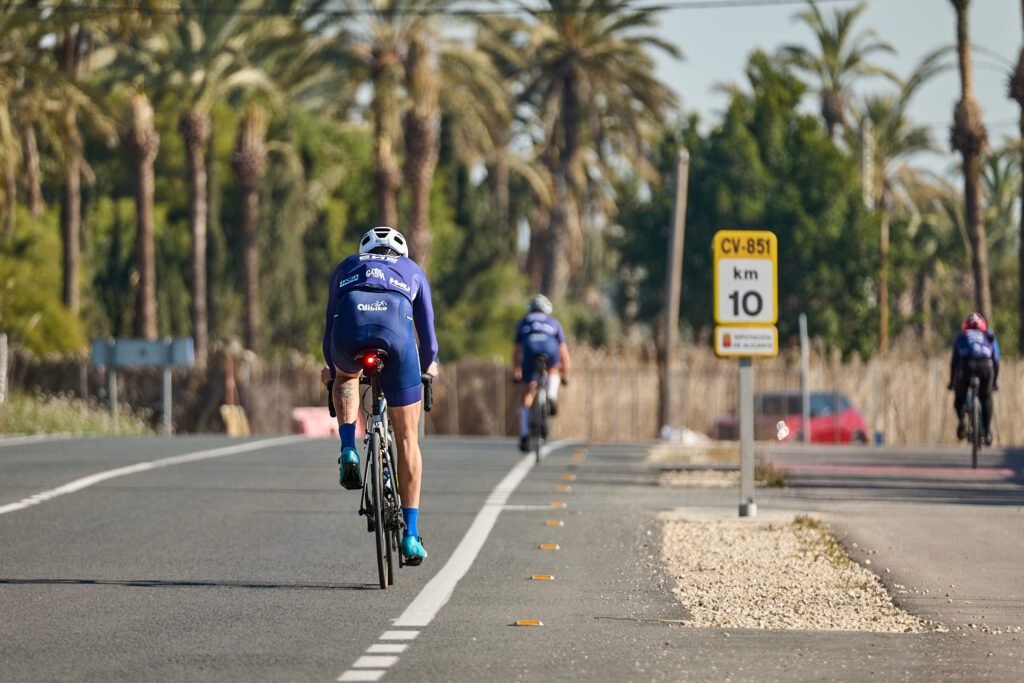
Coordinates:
x,y
538,345
366,320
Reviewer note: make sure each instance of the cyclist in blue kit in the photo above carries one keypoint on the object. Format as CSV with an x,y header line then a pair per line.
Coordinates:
x,y
380,298
538,334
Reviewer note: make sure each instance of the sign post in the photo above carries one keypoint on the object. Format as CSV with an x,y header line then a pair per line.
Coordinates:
x,y
166,353
746,309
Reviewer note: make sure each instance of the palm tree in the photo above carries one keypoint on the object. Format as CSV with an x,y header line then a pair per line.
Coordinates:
x,y
1017,94
596,102
201,58
143,142
843,57
249,162
969,137
422,120
893,139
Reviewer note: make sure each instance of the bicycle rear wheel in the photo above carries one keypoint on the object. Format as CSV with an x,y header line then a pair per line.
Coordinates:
x,y
377,500
537,424
975,430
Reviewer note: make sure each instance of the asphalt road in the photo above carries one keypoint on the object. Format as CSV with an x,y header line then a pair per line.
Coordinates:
x,y
117,564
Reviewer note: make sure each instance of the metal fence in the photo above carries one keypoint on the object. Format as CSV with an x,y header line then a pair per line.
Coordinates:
x,y
612,396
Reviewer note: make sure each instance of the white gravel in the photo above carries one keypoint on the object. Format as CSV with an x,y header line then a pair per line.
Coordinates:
x,y
741,573
700,479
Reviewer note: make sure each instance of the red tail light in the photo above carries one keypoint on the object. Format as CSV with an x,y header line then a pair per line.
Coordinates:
x,y
372,364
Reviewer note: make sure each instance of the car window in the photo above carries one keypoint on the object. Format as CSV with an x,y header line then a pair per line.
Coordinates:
x,y
823,404
779,404
842,403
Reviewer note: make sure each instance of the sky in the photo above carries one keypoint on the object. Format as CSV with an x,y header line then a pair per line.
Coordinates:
x,y
716,42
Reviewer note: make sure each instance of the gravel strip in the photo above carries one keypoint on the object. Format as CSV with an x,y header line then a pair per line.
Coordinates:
x,y
736,573
700,479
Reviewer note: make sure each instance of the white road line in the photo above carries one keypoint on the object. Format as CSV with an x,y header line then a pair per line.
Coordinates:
x,y
85,482
399,635
439,589
386,649
362,675
32,438
375,661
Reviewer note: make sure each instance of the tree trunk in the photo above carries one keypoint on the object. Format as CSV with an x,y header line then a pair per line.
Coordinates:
x,y
195,130
249,162
33,177
385,129
1017,94
71,214
555,282
883,284
143,142
421,150
969,138
499,173
68,52
10,195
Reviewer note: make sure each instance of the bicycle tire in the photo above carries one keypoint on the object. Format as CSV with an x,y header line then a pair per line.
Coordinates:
x,y
391,538
975,430
396,532
537,424
377,500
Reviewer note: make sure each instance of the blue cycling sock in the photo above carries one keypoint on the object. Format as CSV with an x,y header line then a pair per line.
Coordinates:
x,y
411,516
347,432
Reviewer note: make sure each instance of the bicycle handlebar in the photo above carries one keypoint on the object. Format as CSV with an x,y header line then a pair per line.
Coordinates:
x,y
428,391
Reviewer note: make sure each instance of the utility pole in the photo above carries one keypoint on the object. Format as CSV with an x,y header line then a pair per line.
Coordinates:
x,y
673,285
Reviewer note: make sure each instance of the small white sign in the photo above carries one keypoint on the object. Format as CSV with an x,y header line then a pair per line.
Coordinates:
x,y
746,341
746,291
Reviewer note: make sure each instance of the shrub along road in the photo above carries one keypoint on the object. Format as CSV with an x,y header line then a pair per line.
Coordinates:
x,y
231,564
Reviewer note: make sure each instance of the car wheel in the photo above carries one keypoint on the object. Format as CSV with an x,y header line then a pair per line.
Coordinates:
x,y
859,438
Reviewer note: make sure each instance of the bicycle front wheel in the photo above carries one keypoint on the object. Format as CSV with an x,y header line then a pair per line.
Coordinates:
x,y
377,499
975,431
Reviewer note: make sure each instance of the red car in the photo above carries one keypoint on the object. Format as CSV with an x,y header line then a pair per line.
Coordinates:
x,y
778,417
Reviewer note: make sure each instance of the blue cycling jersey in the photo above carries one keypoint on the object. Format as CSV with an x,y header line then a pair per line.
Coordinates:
x,y
976,344
384,273
535,325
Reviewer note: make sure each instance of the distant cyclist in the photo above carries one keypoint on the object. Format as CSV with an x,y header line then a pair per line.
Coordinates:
x,y
975,354
538,334
379,298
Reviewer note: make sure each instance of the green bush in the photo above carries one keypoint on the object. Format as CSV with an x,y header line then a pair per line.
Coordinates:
x,y
24,414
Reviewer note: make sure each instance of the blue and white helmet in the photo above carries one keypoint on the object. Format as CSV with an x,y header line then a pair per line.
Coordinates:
x,y
541,303
384,236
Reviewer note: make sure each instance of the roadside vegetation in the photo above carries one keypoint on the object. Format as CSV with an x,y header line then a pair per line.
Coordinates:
x,y
175,167
24,414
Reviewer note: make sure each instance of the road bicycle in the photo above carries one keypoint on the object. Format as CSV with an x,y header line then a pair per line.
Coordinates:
x,y
540,411
381,501
972,410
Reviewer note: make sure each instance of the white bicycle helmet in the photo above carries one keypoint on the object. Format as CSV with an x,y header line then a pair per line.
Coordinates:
x,y
384,236
541,303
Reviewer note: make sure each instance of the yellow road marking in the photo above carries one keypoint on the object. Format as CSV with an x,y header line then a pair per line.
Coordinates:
x,y
528,622
554,522
542,577
563,488
568,476
559,505
549,546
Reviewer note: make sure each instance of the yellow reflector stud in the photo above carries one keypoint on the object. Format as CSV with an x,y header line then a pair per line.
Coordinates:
x,y
549,546
554,522
563,488
528,622
568,476
560,506
542,577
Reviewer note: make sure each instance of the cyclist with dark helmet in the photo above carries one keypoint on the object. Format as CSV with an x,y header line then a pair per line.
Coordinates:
x,y
538,333
380,298
975,354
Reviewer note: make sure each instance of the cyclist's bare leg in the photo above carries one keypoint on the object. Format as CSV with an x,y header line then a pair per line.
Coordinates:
x,y
405,421
346,397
